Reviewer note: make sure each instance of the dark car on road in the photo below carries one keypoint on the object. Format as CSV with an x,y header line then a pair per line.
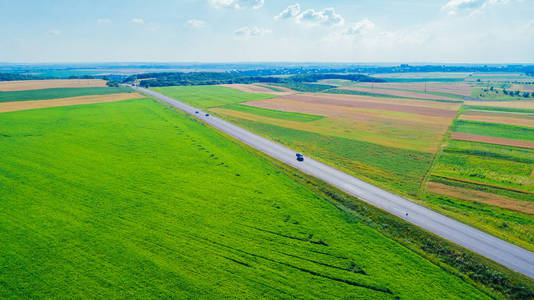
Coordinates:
x,y
207,115
300,157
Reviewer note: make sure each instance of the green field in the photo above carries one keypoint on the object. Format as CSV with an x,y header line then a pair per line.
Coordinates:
x,y
305,87
55,93
495,130
209,96
492,169
377,164
498,109
134,200
275,114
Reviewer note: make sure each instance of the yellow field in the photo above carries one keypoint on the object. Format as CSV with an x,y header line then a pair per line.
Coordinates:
x,y
24,85
25,105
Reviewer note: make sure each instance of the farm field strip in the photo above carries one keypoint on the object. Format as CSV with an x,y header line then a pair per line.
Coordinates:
x,y
25,85
210,96
407,106
481,197
491,140
25,105
251,88
498,118
461,89
523,104
406,94
54,93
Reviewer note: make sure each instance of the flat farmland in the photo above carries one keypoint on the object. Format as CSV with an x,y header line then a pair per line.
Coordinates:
x,y
526,120
25,105
24,85
196,215
485,172
254,88
55,93
459,89
210,96
387,141
401,93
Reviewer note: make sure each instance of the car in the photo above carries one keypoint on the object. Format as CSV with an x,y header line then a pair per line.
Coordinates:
x,y
196,112
207,115
300,157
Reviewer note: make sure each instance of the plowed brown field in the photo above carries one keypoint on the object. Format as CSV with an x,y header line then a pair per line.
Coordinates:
x,y
491,140
526,104
24,85
25,105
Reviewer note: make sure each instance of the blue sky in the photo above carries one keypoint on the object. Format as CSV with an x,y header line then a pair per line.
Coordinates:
x,y
464,31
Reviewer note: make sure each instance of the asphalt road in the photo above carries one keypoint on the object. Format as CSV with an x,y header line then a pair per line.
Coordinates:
x,y
507,254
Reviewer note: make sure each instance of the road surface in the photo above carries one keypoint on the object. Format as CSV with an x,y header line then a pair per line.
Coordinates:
x,y
509,255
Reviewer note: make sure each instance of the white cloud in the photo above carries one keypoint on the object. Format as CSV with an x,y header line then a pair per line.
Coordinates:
x,y
237,4
195,23
290,12
54,32
103,21
359,28
137,20
454,7
251,31
327,16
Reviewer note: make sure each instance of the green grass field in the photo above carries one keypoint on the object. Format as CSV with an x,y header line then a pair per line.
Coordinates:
x,y
131,199
305,87
209,96
275,114
495,130
55,93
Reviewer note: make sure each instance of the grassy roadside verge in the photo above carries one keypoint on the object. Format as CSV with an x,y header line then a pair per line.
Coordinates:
x,y
495,280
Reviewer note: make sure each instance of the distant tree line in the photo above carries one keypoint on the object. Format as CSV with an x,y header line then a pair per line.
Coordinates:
x,y
15,76
212,78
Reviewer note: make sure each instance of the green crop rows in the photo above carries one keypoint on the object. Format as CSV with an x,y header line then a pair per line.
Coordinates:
x,y
131,199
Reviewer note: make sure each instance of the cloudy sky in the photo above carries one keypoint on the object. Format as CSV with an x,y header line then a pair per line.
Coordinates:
x,y
464,31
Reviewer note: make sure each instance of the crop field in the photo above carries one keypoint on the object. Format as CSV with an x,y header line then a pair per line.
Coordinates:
x,y
196,216
450,89
254,88
526,104
55,93
387,141
486,172
402,93
25,105
210,96
526,120
24,85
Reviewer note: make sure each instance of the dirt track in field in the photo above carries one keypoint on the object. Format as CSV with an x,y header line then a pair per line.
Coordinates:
x,y
25,105
399,93
501,118
24,85
481,197
370,103
491,140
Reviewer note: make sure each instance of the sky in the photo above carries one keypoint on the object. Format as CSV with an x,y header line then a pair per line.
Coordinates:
x,y
357,31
